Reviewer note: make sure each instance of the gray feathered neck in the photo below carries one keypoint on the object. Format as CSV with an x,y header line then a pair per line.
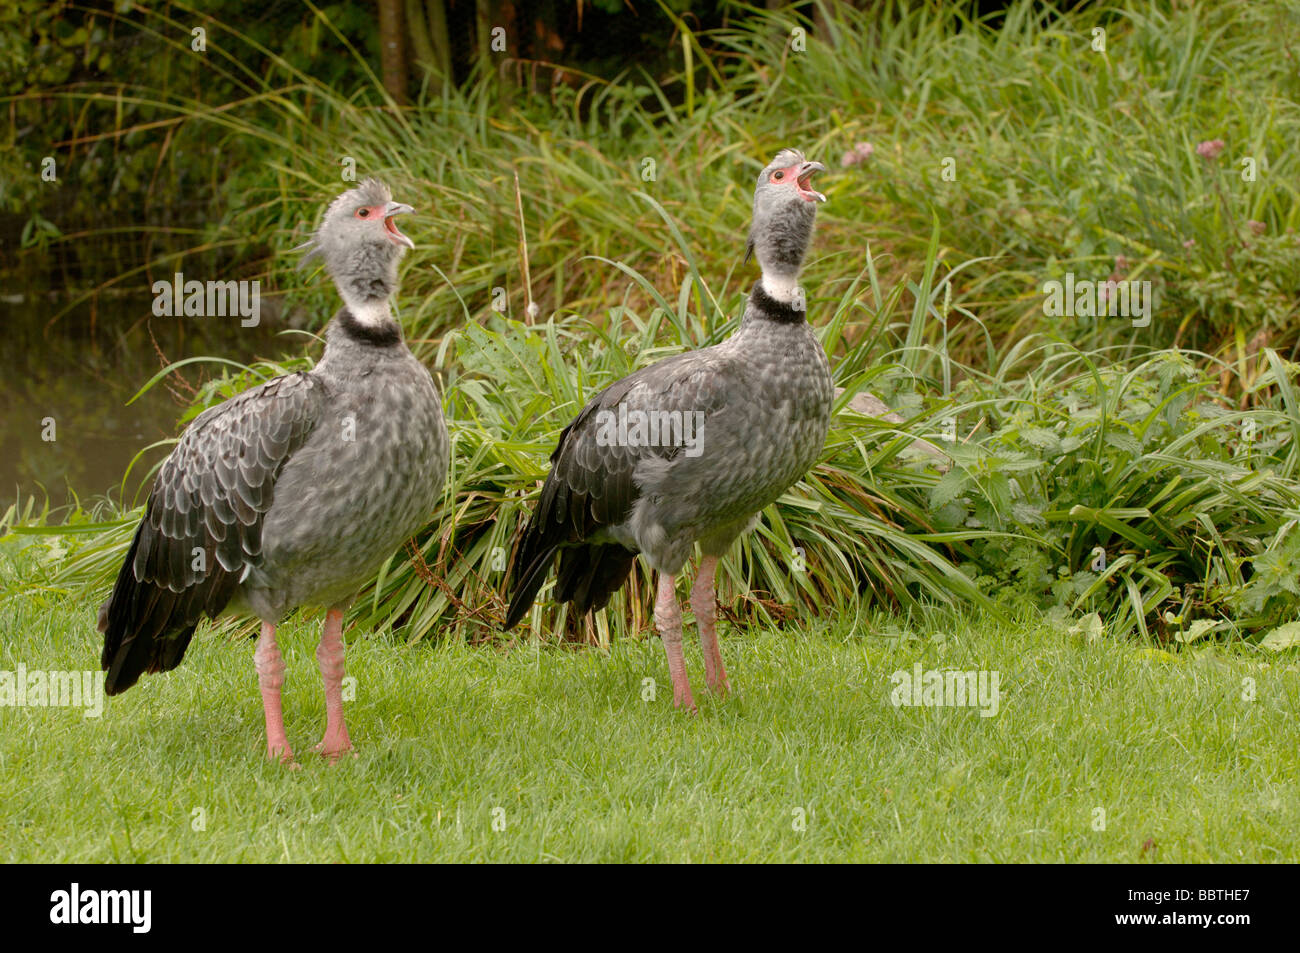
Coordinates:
x,y
783,222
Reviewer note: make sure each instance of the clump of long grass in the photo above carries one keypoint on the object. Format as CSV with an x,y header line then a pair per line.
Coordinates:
x,y
1043,145
1069,140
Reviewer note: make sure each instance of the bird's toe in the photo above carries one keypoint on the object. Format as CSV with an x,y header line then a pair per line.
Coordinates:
x,y
281,753
332,749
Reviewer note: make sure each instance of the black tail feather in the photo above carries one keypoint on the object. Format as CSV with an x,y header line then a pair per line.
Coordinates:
x,y
527,584
147,627
590,574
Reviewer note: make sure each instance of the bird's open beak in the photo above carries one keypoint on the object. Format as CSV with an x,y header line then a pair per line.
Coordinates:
x,y
804,181
394,233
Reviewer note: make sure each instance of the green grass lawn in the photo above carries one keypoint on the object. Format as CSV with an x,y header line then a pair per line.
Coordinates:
x,y
583,769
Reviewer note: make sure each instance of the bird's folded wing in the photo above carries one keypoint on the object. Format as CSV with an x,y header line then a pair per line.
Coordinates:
x,y
202,529
592,484
205,514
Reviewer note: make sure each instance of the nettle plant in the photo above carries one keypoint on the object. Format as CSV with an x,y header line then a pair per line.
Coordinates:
x,y
1133,489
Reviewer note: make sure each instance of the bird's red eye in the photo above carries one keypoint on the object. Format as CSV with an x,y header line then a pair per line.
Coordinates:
x,y
363,213
778,176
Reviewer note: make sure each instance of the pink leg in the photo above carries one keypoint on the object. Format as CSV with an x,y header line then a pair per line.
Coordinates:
x,y
704,602
330,656
270,678
668,619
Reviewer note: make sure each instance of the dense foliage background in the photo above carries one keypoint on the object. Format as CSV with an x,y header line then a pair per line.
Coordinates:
x,y
1145,474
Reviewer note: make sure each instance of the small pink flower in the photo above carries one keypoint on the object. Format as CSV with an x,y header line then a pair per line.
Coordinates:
x,y
1209,149
857,155
1257,227
1190,243
1117,274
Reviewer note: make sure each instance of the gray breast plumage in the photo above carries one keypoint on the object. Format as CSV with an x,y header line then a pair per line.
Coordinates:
x,y
366,479
764,422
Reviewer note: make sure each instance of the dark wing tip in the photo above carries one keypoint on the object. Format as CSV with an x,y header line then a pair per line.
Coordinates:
x,y
527,584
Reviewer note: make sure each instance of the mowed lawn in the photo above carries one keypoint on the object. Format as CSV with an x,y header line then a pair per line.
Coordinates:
x,y
554,755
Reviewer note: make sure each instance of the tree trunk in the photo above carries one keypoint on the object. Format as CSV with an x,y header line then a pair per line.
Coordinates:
x,y
497,15
392,49
482,32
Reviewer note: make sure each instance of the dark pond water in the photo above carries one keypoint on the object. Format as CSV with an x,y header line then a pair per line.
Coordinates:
x,y
71,379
